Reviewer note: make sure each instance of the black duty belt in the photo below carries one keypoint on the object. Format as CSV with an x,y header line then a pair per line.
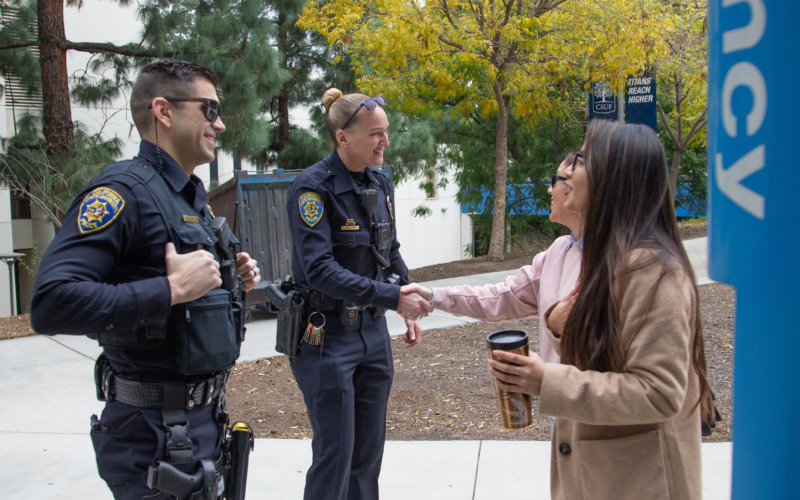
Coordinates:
x,y
318,301
112,387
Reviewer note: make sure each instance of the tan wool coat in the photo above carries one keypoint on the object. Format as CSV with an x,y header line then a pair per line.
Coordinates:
x,y
634,434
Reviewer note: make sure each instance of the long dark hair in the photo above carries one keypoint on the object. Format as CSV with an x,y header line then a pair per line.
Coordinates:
x,y
629,207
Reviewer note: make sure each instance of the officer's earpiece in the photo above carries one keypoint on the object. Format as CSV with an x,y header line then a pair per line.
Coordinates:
x,y
158,149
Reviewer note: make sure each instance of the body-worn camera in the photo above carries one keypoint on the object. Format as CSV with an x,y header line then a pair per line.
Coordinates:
x,y
382,235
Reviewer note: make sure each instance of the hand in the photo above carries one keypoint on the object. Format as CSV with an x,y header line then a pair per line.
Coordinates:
x,y
516,373
426,293
247,268
413,333
557,318
413,306
191,275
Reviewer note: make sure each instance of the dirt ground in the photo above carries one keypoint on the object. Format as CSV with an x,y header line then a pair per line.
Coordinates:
x,y
442,389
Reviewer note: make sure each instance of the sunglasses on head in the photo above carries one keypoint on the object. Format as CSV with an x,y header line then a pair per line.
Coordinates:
x,y
371,103
211,109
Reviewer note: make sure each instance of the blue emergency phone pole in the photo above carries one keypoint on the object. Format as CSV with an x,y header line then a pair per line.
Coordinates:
x,y
754,230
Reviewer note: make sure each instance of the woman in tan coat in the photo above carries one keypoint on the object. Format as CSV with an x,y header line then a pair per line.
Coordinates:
x,y
626,397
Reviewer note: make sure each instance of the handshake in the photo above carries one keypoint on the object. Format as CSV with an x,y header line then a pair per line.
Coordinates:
x,y
415,302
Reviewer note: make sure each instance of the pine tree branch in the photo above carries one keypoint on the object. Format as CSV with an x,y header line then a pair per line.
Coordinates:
x,y
94,48
19,45
125,50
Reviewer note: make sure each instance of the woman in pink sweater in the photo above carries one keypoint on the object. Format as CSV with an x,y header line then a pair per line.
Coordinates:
x,y
627,394
533,288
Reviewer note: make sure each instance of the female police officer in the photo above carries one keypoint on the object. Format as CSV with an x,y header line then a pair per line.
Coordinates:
x,y
345,256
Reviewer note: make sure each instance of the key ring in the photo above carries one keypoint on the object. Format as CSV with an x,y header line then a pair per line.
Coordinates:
x,y
313,333
312,315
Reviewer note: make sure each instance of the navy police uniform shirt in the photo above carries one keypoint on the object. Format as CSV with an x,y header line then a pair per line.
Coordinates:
x,y
331,235
108,226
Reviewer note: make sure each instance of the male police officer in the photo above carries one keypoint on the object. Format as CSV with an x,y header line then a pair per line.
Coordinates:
x,y
140,263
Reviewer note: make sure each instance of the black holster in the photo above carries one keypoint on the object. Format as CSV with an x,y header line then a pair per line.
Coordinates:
x,y
179,474
290,318
200,485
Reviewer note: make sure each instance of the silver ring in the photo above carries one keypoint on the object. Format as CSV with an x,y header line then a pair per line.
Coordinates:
x,y
517,369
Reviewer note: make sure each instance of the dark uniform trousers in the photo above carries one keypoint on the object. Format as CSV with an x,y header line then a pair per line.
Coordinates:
x,y
130,439
346,391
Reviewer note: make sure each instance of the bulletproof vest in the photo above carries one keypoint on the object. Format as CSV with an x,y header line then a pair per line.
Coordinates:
x,y
381,234
207,331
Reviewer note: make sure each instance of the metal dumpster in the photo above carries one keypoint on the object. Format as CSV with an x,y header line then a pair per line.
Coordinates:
x,y
264,227
261,223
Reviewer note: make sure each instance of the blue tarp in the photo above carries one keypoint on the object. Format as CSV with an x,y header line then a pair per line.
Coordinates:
x,y
520,201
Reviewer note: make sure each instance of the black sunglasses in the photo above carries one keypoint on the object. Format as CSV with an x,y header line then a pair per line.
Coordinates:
x,y
371,103
211,110
555,178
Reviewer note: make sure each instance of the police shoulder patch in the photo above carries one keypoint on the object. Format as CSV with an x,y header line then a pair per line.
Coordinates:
x,y
311,208
99,209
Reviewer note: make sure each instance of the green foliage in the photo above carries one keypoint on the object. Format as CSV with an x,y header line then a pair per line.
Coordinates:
x,y
482,227
26,168
692,176
462,61
534,154
233,38
236,40
88,89
32,259
412,147
304,149
421,211
17,29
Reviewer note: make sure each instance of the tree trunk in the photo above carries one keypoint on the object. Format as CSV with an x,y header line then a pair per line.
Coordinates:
x,y
673,173
56,110
498,235
283,98
283,118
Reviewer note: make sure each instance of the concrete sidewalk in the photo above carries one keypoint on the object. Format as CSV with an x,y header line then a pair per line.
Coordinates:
x,y
48,395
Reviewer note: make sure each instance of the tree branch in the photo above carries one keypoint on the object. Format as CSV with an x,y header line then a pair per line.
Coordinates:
x,y
697,126
665,122
446,10
19,45
125,50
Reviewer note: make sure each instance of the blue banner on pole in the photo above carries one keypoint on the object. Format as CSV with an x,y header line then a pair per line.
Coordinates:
x,y
602,102
753,229
640,100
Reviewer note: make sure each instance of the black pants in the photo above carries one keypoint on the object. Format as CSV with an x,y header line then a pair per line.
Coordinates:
x,y
346,391
131,439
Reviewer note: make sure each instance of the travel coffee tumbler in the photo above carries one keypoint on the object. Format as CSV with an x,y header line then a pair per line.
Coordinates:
x,y
515,407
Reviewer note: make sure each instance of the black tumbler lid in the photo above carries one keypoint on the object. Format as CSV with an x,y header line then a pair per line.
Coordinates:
x,y
507,340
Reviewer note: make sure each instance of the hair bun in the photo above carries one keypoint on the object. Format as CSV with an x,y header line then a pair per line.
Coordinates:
x,y
330,96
